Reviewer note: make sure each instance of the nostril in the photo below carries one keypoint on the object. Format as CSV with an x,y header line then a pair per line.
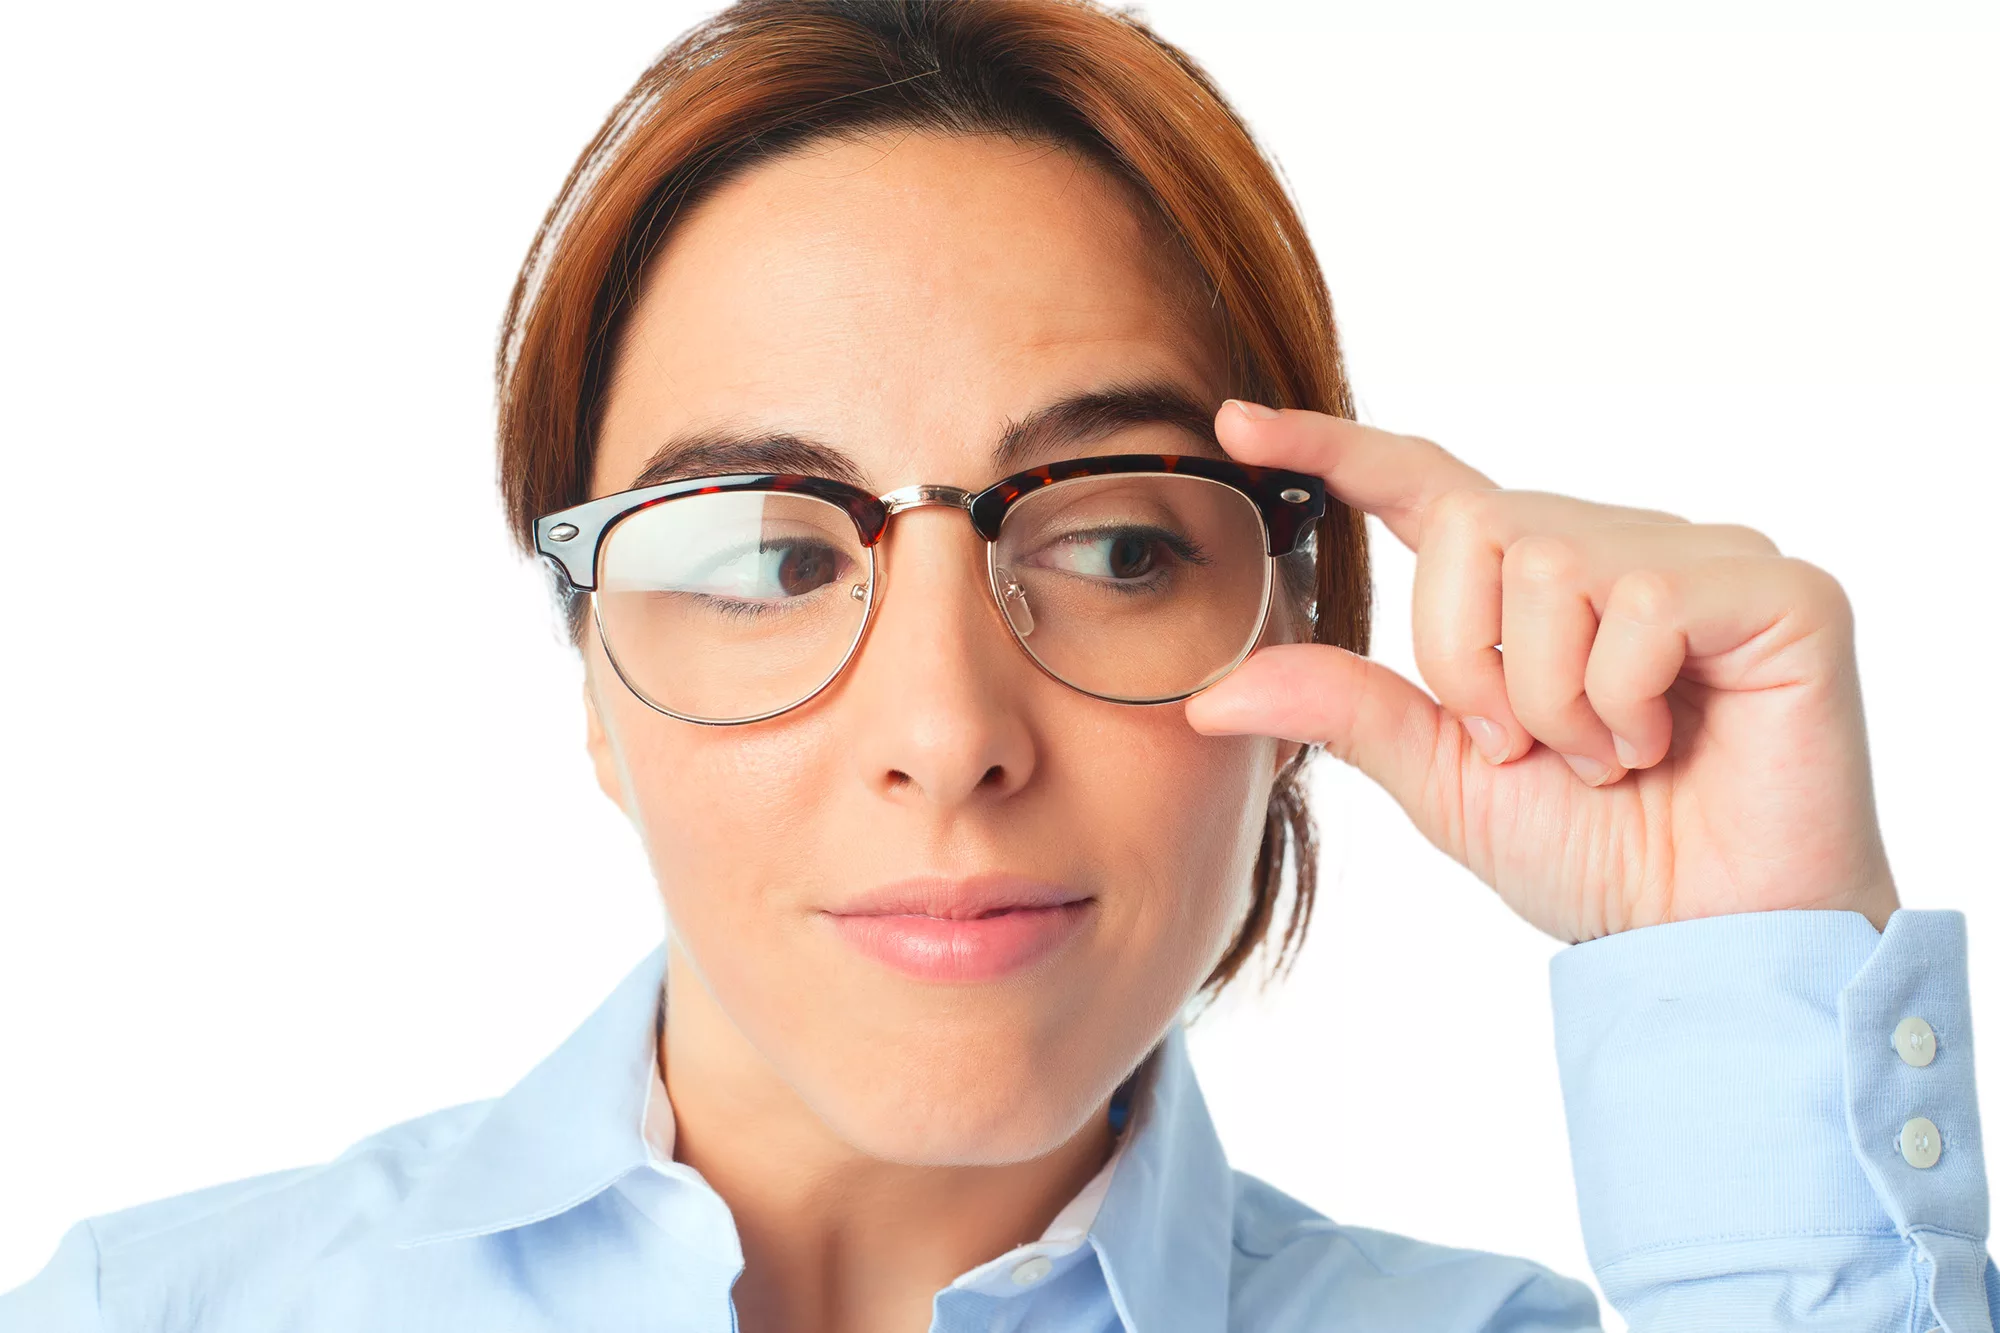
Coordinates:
x,y
993,777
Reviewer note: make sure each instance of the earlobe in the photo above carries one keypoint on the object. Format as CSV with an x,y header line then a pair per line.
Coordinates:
x,y
603,758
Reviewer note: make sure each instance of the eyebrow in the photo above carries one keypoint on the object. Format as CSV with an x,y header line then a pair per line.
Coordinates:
x,y
1071,422
1087,417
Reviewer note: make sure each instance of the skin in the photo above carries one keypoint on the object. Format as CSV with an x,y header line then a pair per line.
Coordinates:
x,y
824,1096
1673,732
904,298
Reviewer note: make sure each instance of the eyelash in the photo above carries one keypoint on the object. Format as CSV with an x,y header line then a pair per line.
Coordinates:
x,y
1186,550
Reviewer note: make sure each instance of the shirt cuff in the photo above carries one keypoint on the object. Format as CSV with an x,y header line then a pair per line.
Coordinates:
x,y
1736,1078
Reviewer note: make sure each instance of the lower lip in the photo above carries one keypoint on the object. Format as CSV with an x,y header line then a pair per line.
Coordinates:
x,y
984,948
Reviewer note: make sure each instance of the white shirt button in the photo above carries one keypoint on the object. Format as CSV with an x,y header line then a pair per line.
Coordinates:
x,y
1915,1042
1919,1142
1037,1268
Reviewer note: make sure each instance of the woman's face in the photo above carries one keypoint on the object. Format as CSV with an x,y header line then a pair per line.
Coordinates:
x,y
901,300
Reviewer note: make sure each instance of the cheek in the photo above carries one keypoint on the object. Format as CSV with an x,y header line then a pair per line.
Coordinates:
x,y
1178,818
726,813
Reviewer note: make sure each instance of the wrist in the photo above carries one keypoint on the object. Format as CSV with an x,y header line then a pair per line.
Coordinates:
x,y
1877,901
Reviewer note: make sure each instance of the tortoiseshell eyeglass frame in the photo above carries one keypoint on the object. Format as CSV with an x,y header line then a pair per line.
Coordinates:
x,y
1288,504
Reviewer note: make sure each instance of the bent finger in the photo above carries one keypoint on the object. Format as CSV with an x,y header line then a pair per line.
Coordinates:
x,y
1547,627
1390,476
1636,659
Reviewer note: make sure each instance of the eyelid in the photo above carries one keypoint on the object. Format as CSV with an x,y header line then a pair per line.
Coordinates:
x,y
712,561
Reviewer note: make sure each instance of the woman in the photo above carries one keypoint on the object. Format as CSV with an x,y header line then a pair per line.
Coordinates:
x,y
934,418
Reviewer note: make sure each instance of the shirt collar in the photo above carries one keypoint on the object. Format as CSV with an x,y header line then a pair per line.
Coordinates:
x,y
1159,1215
564,1134
1165,1233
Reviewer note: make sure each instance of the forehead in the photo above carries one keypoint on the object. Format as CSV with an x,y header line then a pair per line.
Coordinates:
x,y
903,297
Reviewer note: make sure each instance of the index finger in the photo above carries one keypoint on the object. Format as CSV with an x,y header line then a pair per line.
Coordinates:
x,y
1394,477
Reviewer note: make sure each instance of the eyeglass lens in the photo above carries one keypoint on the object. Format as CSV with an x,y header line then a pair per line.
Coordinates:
x,y
735,605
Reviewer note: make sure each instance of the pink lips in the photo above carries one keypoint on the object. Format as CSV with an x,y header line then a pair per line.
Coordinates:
x,y
966,930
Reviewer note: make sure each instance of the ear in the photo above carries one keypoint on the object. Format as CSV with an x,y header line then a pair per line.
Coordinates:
x,y
603,758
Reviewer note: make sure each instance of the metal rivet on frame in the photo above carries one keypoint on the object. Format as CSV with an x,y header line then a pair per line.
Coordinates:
x,y
562,532
859,592
1294,495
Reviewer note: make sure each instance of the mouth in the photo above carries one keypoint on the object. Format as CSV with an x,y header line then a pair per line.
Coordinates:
x,y
970,930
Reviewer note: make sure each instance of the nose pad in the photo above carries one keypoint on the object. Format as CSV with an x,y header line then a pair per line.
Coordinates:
x,y
1014,599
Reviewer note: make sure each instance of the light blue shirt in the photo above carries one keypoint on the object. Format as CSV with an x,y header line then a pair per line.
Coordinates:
x,y
1737,1110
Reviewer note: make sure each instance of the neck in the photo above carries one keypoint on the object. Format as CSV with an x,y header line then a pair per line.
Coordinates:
x,y
835,1241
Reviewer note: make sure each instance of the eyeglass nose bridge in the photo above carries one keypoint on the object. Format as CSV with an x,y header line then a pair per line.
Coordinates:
x,y
922,494
1012,598
927,495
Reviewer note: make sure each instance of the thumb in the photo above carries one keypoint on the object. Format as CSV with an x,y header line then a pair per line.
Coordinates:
x,y
1364,713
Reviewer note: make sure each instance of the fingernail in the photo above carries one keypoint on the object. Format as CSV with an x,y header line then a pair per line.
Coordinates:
x,y
1627,755
1255,411
1488,737
1592,771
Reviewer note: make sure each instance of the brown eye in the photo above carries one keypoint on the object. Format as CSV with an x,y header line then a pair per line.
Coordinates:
x,y
1126,557
1130,557
805,568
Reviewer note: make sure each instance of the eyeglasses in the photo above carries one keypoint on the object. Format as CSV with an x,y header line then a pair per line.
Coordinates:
x,y
1135,578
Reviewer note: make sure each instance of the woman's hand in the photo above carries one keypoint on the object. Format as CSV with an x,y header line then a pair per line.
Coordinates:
x,y
1673,731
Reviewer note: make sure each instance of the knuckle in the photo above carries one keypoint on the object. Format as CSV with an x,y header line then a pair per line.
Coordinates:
x,y
1819,591
1431,449
1648,596
1739,537
1542,561
1457,514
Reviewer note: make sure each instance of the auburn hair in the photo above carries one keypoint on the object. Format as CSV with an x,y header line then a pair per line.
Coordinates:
x,y
765,76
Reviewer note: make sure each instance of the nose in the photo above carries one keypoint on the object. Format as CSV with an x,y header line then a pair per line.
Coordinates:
x,y
939,689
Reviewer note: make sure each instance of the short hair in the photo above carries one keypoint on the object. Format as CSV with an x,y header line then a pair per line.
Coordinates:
x,y
766,76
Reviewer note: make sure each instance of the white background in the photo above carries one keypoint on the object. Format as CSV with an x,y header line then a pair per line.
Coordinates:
x,y
299,838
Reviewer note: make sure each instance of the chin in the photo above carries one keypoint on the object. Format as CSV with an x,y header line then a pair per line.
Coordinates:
x,y
994,1114
978,1075
960,1078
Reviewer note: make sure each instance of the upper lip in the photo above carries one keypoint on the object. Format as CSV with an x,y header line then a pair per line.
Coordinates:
x,y
958,899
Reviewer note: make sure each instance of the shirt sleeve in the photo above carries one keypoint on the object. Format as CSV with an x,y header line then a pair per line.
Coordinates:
x,y
62,1298
1762,1141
